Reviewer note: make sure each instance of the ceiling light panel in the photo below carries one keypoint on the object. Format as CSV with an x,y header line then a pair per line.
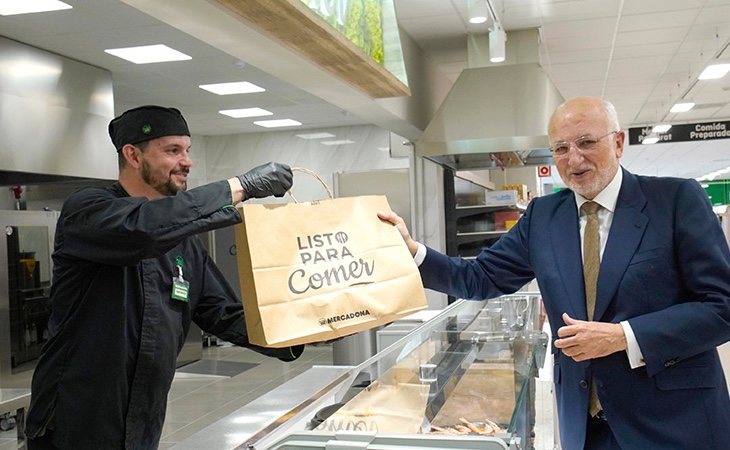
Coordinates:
x,y
338,142
315,135
14,7
276,123
237,87
147,54
245,112
714,71
682,107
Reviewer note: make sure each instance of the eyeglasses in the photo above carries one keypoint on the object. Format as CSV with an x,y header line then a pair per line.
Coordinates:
x,y
584,143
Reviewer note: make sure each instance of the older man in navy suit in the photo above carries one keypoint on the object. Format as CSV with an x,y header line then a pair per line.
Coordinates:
x,y
636,285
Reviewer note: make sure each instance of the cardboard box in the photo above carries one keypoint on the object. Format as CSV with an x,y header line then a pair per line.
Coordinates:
x,y
521,191
502,217
500,198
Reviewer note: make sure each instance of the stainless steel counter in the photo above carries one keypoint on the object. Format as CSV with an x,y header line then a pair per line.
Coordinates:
x,y
467,371
303,394
15,402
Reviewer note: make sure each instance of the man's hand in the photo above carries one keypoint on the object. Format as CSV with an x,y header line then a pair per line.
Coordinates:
x,y
582,340
265,180
400,224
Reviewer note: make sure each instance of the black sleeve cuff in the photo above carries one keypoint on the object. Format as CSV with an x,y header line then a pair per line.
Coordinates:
x,y
291,353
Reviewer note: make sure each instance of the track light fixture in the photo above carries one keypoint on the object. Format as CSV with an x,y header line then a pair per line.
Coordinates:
x,y
478,12
497,36
497,40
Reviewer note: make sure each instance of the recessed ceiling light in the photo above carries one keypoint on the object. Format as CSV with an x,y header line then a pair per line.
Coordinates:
x,y
146,54
682,107
714,71
478,19
238,87
661,128
277,123
13,7
339,142
316,135
245,112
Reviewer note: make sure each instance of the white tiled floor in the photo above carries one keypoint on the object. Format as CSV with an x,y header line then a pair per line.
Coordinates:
x,y
196,401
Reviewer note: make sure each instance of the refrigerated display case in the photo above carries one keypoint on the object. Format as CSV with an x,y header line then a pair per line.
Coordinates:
x,y
464,379
25,282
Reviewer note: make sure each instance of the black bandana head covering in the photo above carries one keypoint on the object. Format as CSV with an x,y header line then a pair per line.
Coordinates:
x,y
145,123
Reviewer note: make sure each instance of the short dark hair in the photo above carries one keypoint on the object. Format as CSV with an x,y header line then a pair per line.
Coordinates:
x,y
140,145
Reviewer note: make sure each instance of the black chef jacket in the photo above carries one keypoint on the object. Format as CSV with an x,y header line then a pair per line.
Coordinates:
x,y
103,377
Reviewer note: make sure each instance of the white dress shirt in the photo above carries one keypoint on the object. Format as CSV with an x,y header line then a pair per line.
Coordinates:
x,y
607,198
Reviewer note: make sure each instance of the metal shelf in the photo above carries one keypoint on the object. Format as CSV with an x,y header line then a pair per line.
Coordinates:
x,y
475,236
465,211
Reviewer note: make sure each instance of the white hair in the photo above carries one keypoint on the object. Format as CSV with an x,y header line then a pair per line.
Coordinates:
x,y
608,109
611,115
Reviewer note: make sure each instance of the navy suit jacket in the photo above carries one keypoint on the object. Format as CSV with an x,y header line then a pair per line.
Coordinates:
x,y
665,269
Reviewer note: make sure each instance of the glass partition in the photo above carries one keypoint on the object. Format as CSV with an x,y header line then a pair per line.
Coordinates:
x,y
29,277
369,24
25,281
469,371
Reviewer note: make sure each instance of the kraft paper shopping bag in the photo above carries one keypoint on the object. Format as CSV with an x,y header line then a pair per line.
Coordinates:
x,y
320,270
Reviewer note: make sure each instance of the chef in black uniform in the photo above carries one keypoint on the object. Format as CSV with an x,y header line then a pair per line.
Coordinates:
x,y
129,275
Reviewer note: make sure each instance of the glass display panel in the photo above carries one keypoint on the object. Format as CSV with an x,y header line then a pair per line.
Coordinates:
x,y
370,25
29,281
469,371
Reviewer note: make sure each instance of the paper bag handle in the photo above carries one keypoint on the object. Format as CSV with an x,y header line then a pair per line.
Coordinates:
x,y
315,175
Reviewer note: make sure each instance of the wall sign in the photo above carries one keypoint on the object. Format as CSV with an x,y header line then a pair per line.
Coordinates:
x,y
688,132
718,191
543,171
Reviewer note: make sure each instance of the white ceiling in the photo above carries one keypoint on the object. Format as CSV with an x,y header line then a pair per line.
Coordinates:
x,y
643,55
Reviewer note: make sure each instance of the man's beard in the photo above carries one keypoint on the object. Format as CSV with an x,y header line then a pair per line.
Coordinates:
x,y
590,190
164,187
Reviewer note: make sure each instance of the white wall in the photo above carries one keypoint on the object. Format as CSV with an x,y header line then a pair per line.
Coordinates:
x,y
7,200
518,175
226,156
220,157
429,227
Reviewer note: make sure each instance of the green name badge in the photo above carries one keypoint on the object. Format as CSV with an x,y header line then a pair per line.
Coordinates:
x,y
180,289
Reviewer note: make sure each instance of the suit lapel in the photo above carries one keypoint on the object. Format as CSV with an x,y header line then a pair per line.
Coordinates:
x,y
627,229
565,240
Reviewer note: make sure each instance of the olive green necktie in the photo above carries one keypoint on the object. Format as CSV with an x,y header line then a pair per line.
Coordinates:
x,y
591,264
591,255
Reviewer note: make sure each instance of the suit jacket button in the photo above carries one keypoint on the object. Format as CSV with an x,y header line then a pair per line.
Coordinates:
x,y
583,384
671,362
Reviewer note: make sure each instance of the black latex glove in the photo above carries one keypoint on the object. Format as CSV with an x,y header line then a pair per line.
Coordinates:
x,y
265,180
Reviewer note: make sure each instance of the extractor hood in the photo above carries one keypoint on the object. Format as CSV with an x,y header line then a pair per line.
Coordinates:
x,y
492,117
54,113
